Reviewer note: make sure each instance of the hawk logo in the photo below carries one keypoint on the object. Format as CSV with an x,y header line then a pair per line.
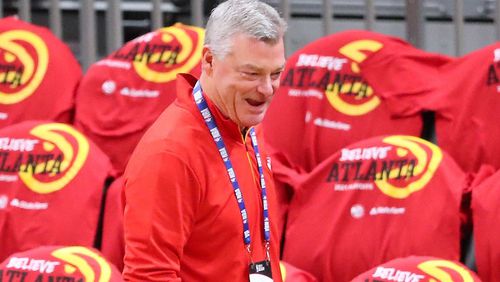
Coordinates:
x,y
53,174
77,258
24,58
398,170
353,96
159,56
440,270
428,157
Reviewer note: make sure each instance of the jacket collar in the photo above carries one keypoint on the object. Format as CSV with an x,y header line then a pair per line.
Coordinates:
x,y
228,128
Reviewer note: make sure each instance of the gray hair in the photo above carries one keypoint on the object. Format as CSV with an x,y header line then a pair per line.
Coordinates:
x,y
250,17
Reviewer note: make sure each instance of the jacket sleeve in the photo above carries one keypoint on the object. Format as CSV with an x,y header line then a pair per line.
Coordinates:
x,y
162,194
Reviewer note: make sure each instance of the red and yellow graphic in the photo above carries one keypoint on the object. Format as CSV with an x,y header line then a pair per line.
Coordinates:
x,y
428,157
186,58
440,270
77,258
354,98
24,59
74,152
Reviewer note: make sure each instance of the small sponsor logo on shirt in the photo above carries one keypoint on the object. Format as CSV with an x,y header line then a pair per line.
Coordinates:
x,y
108,87
115,64
357,211
326,123
305,93
387,211
4,116
353,187
139,93
323,122
25,205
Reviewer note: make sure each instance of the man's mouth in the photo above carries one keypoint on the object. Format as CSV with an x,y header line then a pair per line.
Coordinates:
x,y
254,103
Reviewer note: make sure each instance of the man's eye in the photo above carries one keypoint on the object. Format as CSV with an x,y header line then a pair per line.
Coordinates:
x,y
250,74
275,75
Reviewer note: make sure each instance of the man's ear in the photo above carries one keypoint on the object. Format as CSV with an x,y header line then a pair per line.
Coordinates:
x,y
207,58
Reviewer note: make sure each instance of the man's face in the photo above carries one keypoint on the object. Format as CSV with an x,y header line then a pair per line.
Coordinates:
x,y
246,79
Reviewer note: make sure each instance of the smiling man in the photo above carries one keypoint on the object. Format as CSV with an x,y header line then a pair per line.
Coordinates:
x,y
199,195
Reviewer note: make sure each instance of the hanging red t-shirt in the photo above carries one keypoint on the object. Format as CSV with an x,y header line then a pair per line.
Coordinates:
x,y
59,263
38,74
51,185
486,215
419,269
325,101
378,199
464,96
123,94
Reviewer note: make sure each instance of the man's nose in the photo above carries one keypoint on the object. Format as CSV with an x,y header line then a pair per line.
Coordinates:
x,y
266,86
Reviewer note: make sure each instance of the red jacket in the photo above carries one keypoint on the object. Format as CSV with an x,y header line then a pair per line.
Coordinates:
x,y
182,221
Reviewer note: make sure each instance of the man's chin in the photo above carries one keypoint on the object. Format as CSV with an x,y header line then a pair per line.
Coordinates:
x,y
249,122
249,117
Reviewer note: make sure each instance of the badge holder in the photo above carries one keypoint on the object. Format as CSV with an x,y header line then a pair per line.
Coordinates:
x,y
261,271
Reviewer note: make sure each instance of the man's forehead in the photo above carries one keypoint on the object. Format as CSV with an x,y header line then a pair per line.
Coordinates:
x,y
250,66
247,52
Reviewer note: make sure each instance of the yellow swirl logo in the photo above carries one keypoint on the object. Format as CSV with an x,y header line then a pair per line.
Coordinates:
x,y
68,165
360,95
439,269
425,167
174,61
24,59
76,258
